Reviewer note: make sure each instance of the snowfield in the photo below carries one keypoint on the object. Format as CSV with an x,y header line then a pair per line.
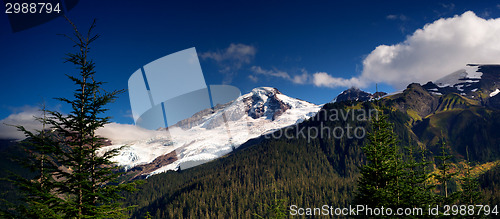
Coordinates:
x,y
467,75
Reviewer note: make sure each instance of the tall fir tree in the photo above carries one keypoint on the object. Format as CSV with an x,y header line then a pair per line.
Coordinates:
x,y
75,178
415,187
37,193
379,181
390,179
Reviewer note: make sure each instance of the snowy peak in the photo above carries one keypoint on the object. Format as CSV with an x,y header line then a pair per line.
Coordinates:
x,y
265,102
264,91
261,103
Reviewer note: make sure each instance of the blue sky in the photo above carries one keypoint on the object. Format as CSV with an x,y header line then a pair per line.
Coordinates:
x,y
310,50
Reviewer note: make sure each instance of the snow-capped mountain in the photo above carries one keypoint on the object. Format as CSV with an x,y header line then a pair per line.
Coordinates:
x,y
212,133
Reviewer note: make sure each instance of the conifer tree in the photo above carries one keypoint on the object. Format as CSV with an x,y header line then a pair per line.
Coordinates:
x,y
378,184
38,192
75,178
388,178
415,189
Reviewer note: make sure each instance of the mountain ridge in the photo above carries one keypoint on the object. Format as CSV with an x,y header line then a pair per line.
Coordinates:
x,y
356,94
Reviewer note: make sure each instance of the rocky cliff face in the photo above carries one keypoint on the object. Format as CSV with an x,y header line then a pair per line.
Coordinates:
x,y
141,171
265,102
415,98
355,94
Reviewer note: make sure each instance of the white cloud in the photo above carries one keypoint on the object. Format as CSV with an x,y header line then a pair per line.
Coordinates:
x,y
322,79
438,49
125,133
301,79
24,118
231,59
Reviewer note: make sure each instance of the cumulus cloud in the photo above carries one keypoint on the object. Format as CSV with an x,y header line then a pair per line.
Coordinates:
x,y
26,118
438,49
231,59
322,79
